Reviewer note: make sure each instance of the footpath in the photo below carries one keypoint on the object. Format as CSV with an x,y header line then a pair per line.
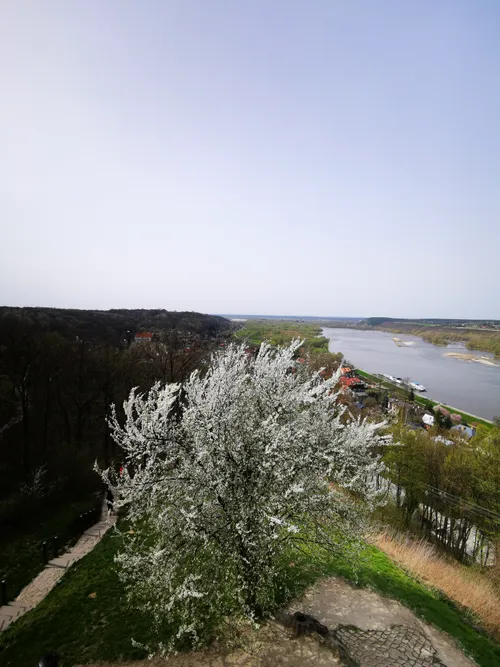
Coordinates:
x,y
44,582
356,627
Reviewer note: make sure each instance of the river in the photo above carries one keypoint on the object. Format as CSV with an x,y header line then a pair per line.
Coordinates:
x,y
468,386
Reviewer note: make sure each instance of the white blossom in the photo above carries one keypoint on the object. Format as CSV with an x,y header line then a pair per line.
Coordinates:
x,y
225,476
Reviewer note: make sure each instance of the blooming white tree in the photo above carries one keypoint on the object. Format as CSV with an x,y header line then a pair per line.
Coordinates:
x,y
227,476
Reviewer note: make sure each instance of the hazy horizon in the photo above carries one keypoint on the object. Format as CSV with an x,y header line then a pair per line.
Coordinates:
x,y
265,157
260,315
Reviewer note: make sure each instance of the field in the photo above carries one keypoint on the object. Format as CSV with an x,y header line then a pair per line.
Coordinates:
x,y
282,332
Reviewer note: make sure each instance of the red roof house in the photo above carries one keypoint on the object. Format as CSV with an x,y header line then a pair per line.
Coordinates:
x,y
143,337
350,382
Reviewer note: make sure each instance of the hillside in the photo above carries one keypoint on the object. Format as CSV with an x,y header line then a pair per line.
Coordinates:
x,y
111,326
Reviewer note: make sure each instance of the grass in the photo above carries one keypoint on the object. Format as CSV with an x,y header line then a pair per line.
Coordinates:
x,y
282,332
21,554
466,417
80,628
85,628
462,584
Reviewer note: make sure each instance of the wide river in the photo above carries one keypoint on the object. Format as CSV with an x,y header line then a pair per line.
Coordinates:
x,y
468,386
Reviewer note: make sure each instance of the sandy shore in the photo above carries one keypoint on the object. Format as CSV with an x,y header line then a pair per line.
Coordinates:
x,y
471,357
403,343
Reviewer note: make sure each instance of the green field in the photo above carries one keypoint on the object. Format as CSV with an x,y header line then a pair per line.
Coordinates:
x,y
86,617
282,332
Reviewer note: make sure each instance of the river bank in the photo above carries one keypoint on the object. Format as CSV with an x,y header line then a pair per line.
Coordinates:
x,y
423,400
481,341
473,387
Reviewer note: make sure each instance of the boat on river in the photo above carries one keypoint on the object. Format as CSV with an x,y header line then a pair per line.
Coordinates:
x,y
417,386
391,378
414,385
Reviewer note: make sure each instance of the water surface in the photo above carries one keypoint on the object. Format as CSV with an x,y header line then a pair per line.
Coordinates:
x,y
468,386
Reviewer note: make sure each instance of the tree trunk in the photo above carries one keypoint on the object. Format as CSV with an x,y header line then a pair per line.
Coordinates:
x,y
26,433
45,437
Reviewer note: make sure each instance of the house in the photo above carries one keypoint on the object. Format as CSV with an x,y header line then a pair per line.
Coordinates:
x,y
143,337
465,431
428,420
414,426
353,383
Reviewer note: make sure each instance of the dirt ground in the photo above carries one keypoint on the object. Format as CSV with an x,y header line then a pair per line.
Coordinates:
x,y
376,631
272,646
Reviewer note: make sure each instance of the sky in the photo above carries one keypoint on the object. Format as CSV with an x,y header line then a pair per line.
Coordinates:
x,y
324,157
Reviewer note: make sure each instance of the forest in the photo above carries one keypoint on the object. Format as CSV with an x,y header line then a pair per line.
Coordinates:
x,y
60,371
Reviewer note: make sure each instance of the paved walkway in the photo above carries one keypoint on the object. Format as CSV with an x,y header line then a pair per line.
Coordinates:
x,y
377,631
358,627
44,582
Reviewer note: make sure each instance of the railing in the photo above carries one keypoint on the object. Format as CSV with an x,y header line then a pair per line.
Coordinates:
x,y
81,524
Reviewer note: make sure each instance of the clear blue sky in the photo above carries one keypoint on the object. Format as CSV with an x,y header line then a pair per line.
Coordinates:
x,y
333,157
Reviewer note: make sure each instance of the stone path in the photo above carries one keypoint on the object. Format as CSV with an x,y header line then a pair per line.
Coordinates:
x,y
44,582
396,646
377,631
363,629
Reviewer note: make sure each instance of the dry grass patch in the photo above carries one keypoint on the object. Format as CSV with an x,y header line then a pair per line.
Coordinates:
x,y
458,582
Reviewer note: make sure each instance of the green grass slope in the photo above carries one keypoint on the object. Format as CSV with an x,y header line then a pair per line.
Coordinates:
x,y
83,627
21,553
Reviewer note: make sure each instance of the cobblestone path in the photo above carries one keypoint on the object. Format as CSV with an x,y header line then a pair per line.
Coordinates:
x,y
397,646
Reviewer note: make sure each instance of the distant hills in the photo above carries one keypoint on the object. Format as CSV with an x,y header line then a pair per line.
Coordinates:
x,y
294,318
443,322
